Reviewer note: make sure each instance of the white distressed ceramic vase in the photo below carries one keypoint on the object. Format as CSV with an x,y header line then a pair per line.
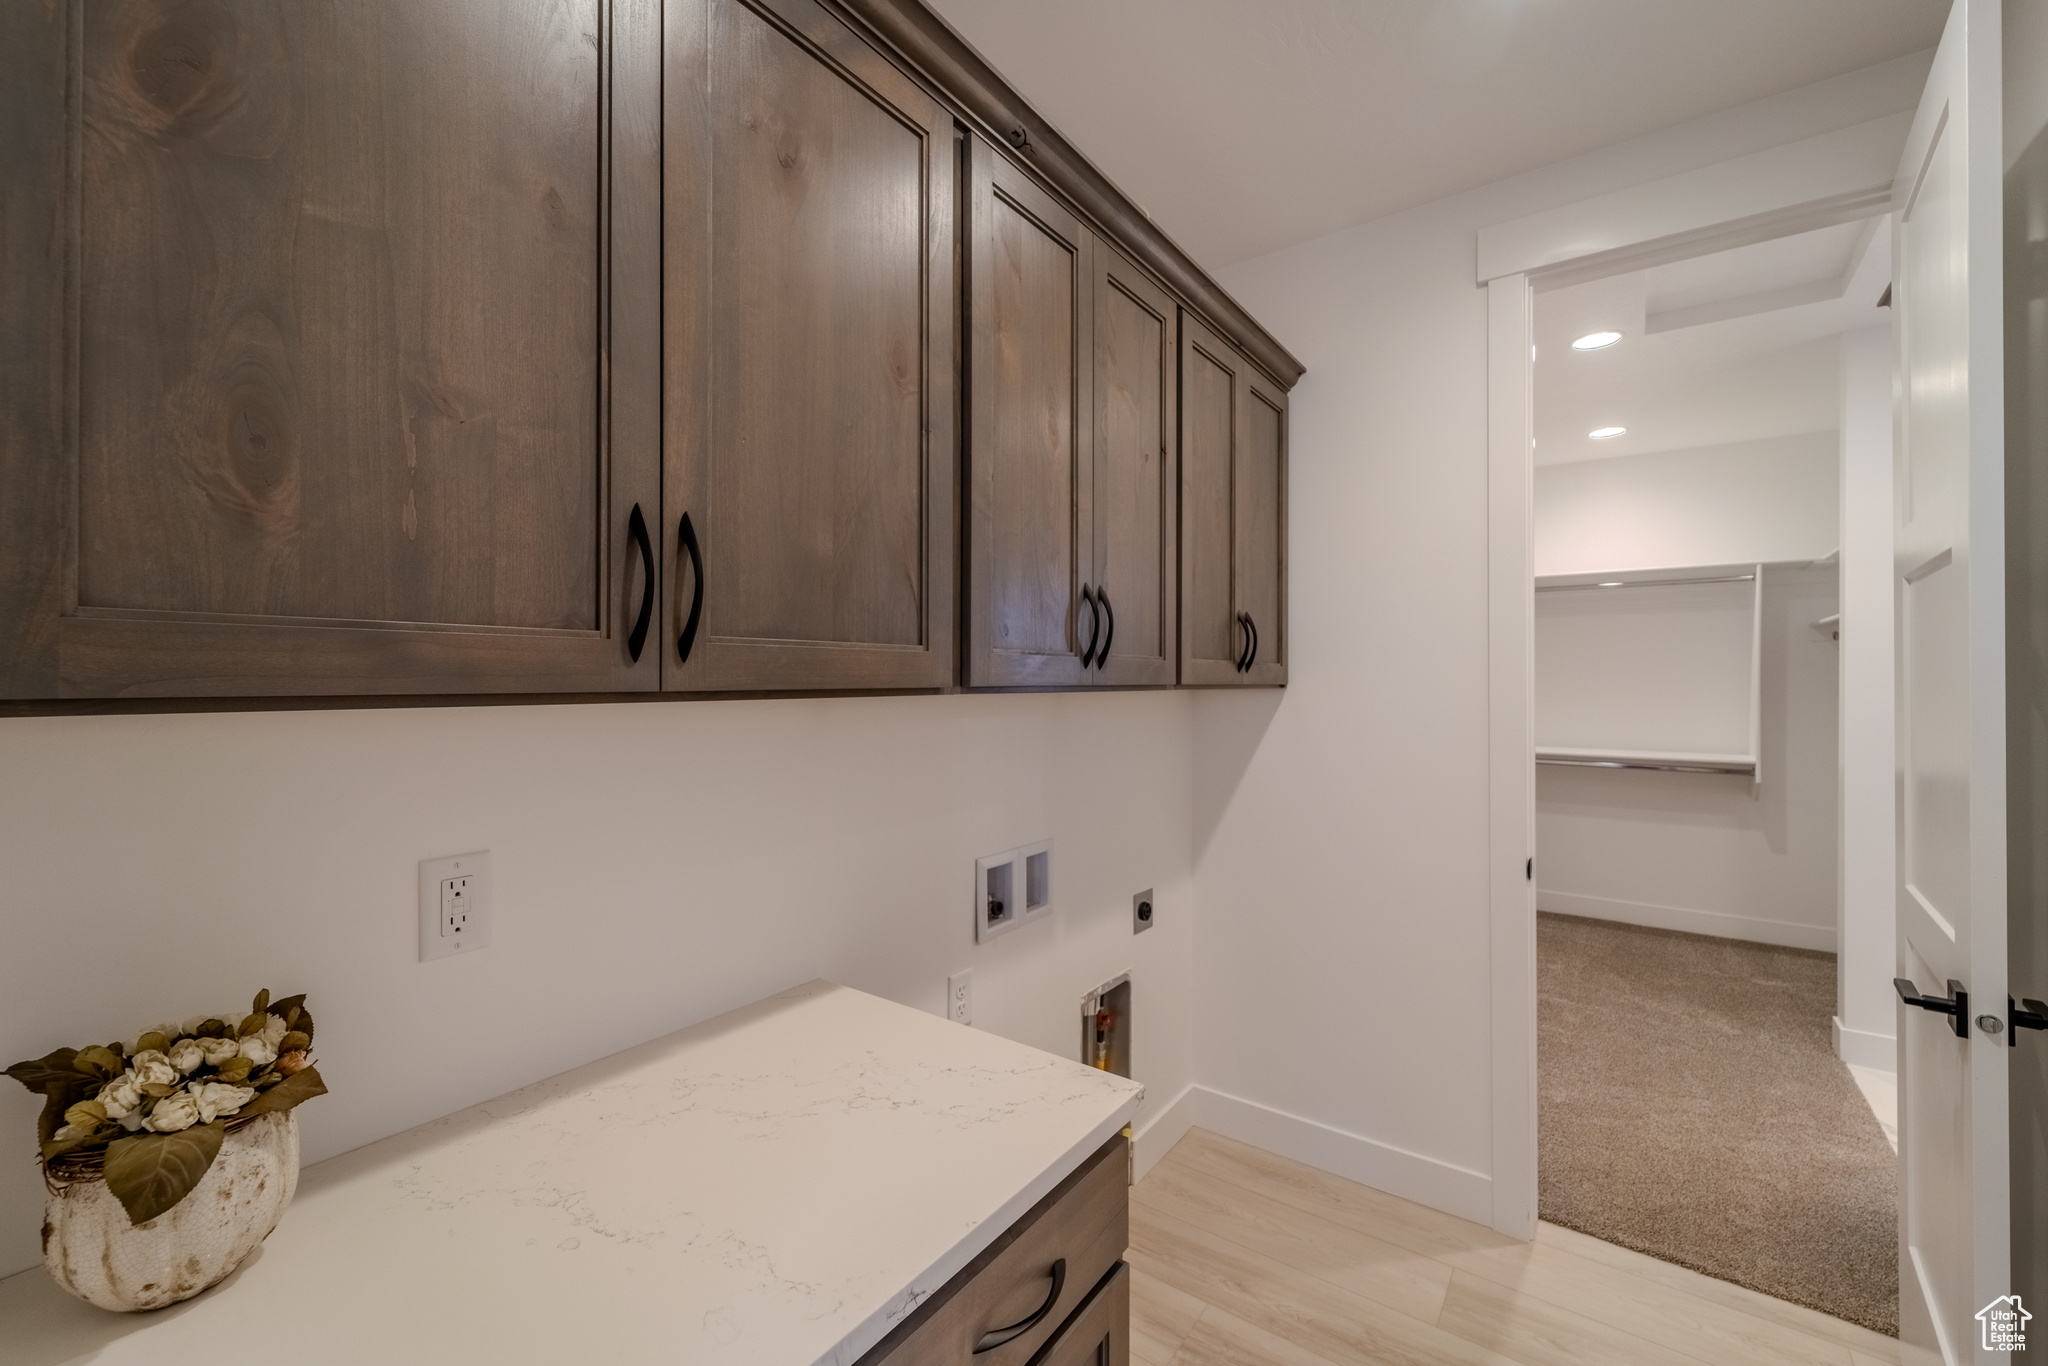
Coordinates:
x,y
95,1253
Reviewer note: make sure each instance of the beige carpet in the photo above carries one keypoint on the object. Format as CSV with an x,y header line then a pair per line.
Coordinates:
x,y
1692,1107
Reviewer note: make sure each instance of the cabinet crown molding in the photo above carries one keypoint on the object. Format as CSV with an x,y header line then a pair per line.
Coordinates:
x,y
929,45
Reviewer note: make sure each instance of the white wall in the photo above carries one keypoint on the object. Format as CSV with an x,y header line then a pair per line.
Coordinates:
x,y
1774,499
1716,854
1341,855
655,863
1704,854
1865,1014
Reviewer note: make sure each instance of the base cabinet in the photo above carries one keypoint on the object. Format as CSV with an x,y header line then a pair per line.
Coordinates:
x,y
1014,1304
1099,1333
1233,457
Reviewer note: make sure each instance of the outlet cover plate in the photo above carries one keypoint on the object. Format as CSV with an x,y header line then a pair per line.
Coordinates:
x,y
470,895
1144,911
960,997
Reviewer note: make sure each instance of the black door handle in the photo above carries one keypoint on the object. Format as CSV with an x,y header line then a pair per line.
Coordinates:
x,y
996,1337
1251,624
1094,625
686,541
2029,1014
636,527
1109,630
1245,646
1956,1004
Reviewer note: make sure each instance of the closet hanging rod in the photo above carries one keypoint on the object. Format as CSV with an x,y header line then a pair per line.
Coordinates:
x,y
1745,769
1642,583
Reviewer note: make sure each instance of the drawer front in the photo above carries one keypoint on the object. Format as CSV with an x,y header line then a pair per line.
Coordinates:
x,y
1085,1222
1099,1334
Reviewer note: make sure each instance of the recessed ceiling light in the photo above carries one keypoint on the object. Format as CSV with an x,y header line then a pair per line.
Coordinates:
x,y
1595,341
1612,583
1606,433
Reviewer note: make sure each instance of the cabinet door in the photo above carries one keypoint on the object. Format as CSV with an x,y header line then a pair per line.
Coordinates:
x,y
1233,516
810,292
1259,522
1136,474
1099,1333
311,392
1030,526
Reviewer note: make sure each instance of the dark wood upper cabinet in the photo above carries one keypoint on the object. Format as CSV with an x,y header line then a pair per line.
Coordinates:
x,y
1030,528
317,386
809,282
449,347
1136,473
1071,515
1233,516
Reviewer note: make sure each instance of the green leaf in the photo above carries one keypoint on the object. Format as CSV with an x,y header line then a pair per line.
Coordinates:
x,y
38,1073
103,1063
96,1139
300,1086
296,1041
149,1173
283,1009
153,1042
52,1117
261,1003
60,1095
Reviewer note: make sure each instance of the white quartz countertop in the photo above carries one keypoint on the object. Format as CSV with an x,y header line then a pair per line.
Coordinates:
x,y
781,1184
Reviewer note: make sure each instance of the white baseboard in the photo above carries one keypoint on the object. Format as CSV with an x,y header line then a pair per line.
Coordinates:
x,y
1156,1137
1425,1180
1861,1048
1784,933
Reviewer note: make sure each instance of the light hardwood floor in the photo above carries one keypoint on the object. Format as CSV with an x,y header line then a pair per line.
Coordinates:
x,y
1242,1258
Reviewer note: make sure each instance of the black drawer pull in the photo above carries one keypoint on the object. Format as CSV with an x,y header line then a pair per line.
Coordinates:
x,y
996,1337
1109,631
636,527
1094,625
1244,642
1251,624
686,541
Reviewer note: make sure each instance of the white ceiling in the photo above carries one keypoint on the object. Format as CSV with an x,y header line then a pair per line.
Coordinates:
x,y
1243,126
1737,346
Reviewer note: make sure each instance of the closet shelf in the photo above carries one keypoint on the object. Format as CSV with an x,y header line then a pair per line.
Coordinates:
x,y
1668,761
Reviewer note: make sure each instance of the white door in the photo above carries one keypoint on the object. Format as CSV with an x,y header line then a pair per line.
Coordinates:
x,y
1954,1254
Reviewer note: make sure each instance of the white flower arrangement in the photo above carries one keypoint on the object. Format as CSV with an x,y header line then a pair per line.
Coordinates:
x,y
148,1116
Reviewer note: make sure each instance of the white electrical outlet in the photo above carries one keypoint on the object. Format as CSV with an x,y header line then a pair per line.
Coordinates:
x,y
960,997
455,905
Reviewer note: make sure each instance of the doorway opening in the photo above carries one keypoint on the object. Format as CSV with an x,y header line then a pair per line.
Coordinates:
x,y
1695,1095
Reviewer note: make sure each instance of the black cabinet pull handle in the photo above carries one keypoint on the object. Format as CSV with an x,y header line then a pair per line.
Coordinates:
x,y
2029,1014
1094,626
996,1337
1956,1004
1252,656
686,541
1109,631
636,527
1244,643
